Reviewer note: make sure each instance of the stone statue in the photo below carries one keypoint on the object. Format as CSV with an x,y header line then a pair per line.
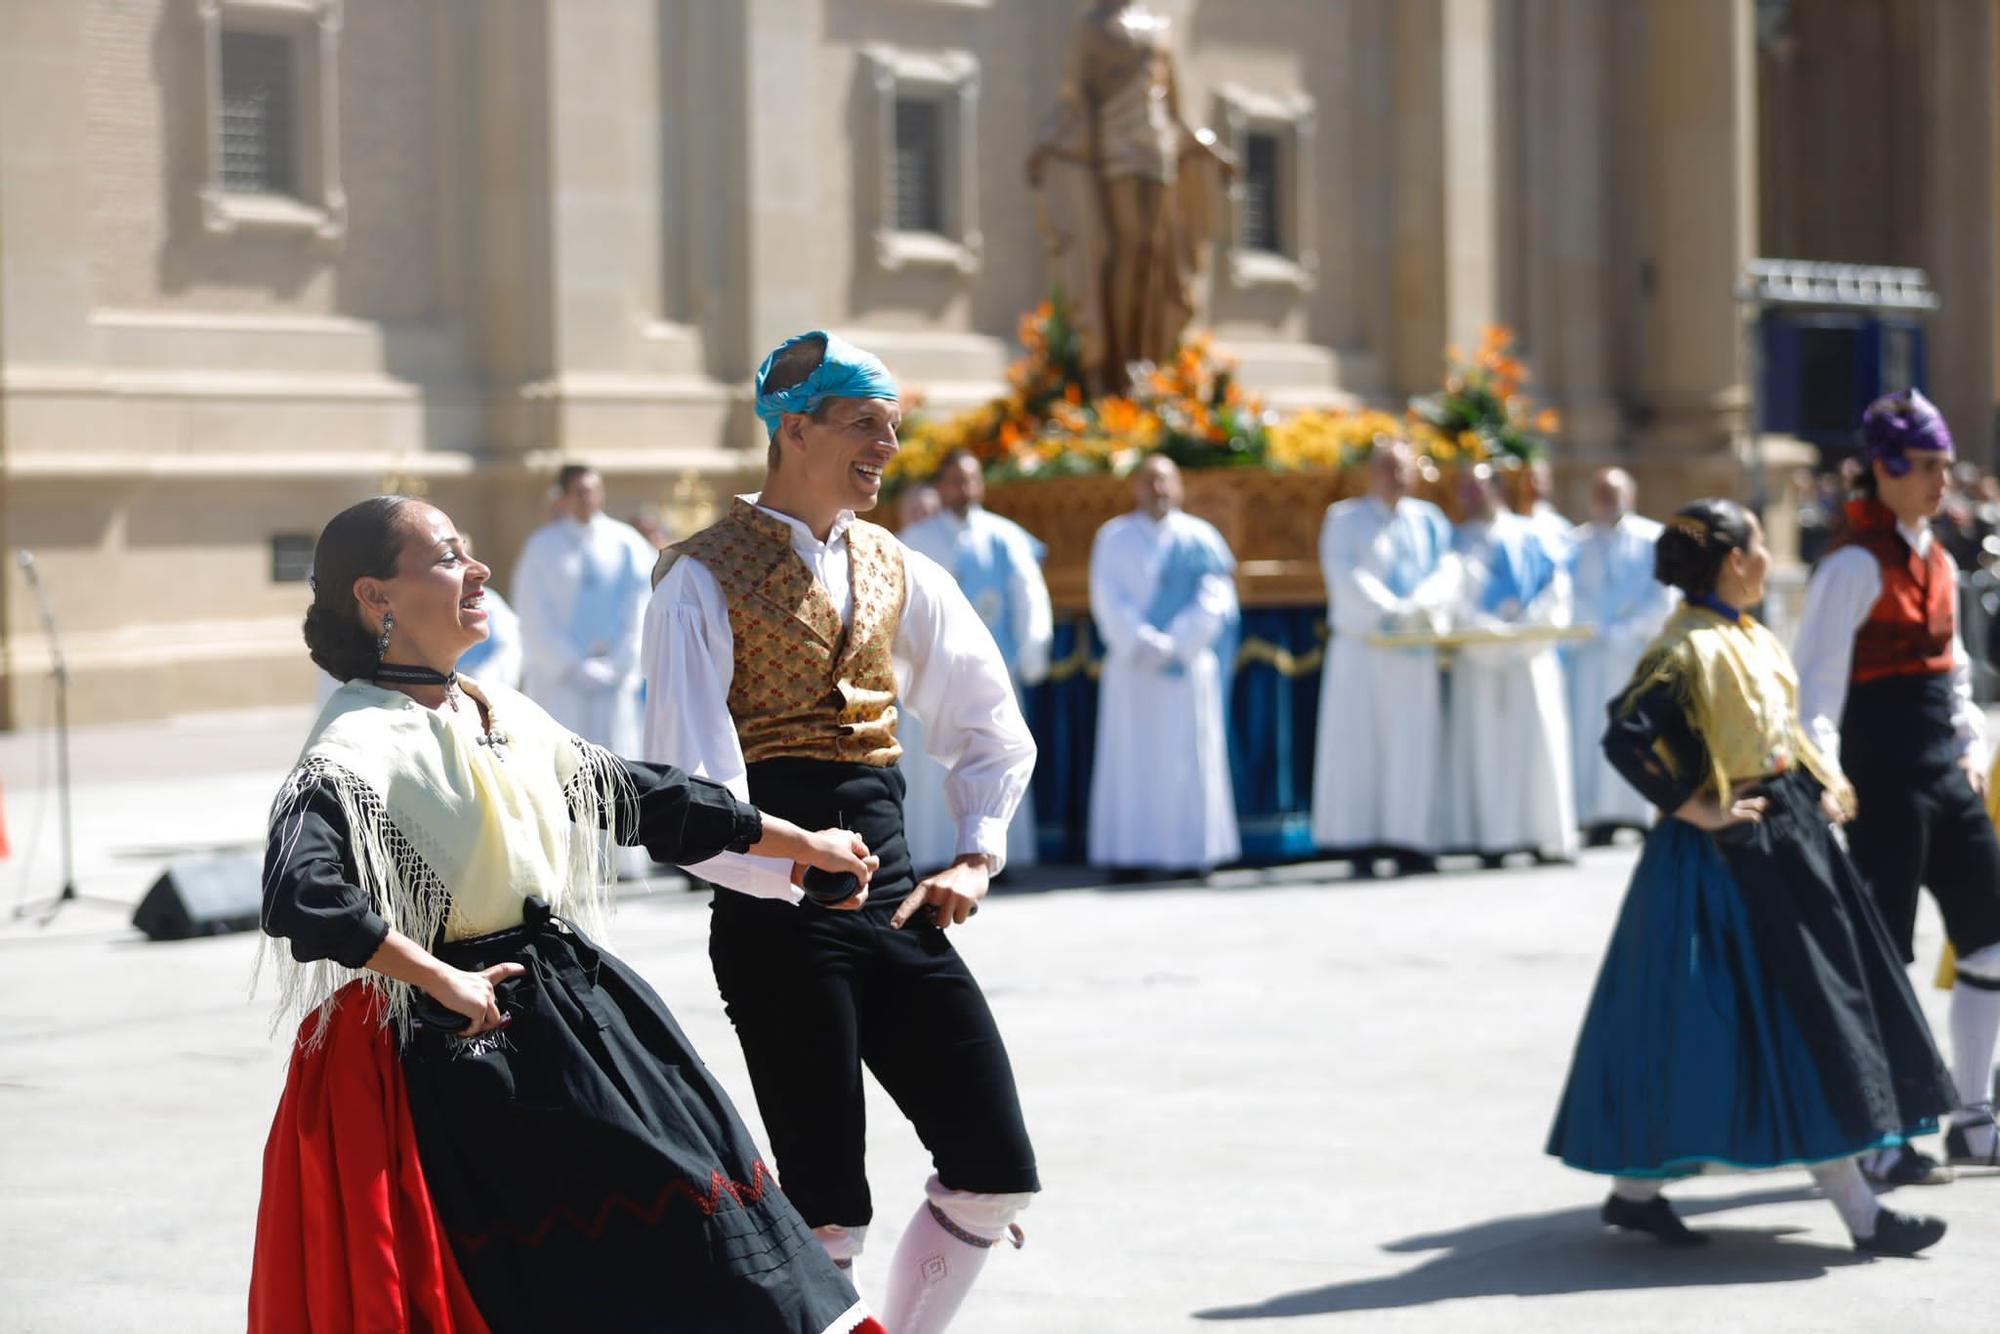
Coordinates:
x,y
1128,194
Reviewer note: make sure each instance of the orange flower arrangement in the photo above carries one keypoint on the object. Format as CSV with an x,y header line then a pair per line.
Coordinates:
x,y
1194,410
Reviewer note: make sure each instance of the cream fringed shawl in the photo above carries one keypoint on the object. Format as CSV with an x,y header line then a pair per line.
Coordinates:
x,y
449,835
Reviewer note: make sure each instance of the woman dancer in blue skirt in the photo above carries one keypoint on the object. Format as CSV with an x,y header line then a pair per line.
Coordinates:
x,y
1752,1011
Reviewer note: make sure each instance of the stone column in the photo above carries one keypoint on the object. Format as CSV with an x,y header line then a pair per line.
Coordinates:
x,y
1569,180
1697,129
1444,226
1964,213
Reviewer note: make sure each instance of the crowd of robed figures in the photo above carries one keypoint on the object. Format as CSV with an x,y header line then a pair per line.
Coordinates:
x,y
1414,742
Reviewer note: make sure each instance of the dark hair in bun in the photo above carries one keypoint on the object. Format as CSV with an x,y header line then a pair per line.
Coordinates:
x,y
363,539
1697,540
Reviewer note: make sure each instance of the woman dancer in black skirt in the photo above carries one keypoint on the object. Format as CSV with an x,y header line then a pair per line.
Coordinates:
x,y
489,1121
1752,1011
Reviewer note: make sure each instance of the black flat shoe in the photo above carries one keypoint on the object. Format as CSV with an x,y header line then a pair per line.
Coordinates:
x,y
1911,1167
1901,1234
1958,1145
1655,1217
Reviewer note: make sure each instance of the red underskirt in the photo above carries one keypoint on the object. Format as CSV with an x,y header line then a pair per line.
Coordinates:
x,y
347,1238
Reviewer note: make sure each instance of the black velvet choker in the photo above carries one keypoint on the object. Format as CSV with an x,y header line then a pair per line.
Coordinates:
x,y
403,675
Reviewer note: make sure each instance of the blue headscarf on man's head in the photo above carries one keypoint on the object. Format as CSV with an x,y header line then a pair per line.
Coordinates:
x,y
845,372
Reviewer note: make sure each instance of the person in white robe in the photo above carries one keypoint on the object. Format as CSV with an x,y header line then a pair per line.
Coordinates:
x,y
580,590
1508,767
1387,561
1619,600
1163,595
998,565
1555,531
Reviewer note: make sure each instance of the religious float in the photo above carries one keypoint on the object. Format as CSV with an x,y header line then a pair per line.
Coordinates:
x,y
1128,199
1056,457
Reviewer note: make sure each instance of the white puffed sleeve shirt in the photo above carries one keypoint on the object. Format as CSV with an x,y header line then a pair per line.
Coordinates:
x,y
948,672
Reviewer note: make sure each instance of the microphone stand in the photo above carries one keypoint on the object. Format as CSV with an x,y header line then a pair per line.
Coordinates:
x,y
48,908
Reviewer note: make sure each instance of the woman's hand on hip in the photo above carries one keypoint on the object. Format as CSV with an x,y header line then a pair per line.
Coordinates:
x,y
474,995
843,852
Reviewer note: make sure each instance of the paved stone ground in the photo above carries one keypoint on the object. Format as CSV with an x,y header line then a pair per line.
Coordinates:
x,y
1281,1102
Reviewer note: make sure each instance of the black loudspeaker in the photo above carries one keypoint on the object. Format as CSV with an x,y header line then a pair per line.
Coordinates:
x,y
204,896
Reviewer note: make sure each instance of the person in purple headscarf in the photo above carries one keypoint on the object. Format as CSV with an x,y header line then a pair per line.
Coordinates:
x,y
1885,688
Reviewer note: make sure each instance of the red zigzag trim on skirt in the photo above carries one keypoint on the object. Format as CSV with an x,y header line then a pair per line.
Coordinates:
x,y
718,1185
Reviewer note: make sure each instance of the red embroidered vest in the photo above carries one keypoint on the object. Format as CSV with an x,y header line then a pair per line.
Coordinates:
x,y
1909,629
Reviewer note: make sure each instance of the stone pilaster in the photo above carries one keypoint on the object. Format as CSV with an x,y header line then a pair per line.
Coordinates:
x,y
1442,237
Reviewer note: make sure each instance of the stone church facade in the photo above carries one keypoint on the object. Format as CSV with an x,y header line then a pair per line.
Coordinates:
x,y
261,258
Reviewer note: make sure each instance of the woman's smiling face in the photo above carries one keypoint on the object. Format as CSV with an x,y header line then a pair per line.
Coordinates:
x,y
435,596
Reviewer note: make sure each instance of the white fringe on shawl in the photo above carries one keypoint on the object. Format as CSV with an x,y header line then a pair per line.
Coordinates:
x,y
407,891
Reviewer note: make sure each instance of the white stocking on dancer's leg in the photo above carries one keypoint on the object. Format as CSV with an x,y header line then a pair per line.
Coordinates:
x,y
1975,1023
941,1253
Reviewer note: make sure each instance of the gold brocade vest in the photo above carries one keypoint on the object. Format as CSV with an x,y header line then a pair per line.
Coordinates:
x,y
803,687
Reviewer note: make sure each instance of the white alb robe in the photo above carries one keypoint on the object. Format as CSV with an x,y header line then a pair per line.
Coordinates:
x,y
947,669
1509,784
580,591
998,565
1381,710
1160,794
1617,597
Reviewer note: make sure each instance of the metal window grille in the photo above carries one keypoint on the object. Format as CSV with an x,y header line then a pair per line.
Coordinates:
x,y
1261,196
257,113
919,182
291,558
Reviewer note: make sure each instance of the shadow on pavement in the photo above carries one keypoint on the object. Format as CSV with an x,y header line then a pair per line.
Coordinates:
x,y
1537,1255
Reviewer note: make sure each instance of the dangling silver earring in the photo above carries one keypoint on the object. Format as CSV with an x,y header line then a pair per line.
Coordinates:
x,y
382,640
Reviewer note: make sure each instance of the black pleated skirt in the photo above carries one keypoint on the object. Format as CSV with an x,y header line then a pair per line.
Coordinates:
x,y
589,1170
1752,1011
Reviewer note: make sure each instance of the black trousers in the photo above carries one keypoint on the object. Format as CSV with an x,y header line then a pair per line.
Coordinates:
x,y
1928,829
815,995
1920,822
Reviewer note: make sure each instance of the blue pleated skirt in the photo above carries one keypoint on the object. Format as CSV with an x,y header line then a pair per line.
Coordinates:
x,y
1750,1013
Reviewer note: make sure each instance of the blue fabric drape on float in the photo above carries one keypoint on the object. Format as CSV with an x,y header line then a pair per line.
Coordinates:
x,y
1062,713
1273,695
1273,711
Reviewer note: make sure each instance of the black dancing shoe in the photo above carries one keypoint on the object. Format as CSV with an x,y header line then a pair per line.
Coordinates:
x,y
1958,1145
1654,1216
1415,863
1910,1167
1901,1234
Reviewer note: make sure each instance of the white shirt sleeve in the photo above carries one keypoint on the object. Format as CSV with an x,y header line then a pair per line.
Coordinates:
x,y
1121,621
1195,628
950,674
1357,601
689,655
1554,606
1968,720
1838,597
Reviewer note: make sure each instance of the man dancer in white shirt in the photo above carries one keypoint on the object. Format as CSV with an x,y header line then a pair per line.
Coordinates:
x,y
1885,687
1387,561
778,645
1163,595
998,565
1611,576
